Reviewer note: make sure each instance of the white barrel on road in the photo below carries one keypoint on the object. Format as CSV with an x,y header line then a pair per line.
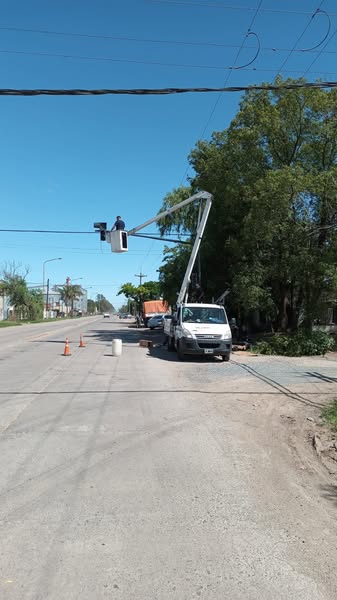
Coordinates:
x,y
116,347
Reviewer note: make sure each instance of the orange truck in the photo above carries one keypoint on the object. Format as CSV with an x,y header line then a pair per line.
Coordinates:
x,y
153,307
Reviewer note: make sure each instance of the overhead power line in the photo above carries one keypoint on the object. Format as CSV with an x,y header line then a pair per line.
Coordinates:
x,y
148,235
164,91
313,15
44,230
322,51
147,41
228,68
249,33
236,7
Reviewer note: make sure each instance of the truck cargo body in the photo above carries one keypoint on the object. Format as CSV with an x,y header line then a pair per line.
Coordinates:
x,y
153,307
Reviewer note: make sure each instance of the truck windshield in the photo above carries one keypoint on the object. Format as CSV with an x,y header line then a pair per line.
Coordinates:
x,y
204,315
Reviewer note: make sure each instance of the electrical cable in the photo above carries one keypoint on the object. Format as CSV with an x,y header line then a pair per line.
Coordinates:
x,y
256,55
233,7
45,230
299,38
249,32
319,53
124,60
175,65
147,40
161,239
80,232
319,12
166,91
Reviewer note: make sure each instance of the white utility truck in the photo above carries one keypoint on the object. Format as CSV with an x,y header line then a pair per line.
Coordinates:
x,y
198,328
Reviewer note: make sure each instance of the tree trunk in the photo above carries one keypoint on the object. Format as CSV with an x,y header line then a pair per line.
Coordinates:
x,y
281,322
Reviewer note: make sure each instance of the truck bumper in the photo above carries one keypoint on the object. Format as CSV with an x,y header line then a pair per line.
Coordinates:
x,y
205,346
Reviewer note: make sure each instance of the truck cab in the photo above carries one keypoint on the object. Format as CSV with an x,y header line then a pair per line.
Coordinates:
x,y
200,329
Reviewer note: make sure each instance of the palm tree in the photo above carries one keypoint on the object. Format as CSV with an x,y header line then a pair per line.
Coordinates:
x,y
70,293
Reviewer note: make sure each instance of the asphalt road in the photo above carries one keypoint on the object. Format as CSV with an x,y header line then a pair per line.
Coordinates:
x,y
141,477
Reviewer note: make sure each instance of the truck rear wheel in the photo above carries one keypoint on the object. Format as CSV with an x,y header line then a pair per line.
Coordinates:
x,y
180,352
225,357
170,344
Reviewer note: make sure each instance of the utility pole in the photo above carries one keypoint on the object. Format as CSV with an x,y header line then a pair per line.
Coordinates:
x,y
141,275
47,298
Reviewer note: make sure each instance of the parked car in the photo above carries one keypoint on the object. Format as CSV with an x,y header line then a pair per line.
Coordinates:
x,y
106,315
157,321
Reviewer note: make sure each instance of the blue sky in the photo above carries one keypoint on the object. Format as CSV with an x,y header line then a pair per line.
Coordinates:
x,y
69,161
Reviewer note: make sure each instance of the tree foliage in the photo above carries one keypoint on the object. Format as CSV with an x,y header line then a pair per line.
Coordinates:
x,y
69,293
103,305
150,290
35,305
27,303
271,235
91,307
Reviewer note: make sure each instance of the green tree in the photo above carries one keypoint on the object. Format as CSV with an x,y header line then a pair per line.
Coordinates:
x,y
69,293
35,304
150,290
124,309
103,305
172,271
271,235
91,307
182,221
13,284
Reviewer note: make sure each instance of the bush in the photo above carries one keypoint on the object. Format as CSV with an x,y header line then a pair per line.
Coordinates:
x,y
301,343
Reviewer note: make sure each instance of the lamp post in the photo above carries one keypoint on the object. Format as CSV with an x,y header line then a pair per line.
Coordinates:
x,y
43,277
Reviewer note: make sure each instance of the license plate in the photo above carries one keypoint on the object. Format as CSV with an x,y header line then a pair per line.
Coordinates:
x,y
208,351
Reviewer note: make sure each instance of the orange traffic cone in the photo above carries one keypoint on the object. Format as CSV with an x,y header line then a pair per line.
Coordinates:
x,y
82,344
66,349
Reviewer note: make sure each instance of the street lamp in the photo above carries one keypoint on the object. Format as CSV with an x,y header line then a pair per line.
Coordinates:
x,y
43,277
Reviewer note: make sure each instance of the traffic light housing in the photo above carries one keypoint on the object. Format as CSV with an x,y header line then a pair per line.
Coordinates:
x,y
101,227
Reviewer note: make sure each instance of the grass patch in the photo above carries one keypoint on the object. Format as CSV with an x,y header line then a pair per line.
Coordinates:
x,y
27,322
330,414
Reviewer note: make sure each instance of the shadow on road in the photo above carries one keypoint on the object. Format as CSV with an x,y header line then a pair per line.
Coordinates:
x,y
322,377
128,334
48,341
161,352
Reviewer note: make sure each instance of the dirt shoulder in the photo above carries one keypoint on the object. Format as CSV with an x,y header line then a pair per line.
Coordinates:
x,y
309,385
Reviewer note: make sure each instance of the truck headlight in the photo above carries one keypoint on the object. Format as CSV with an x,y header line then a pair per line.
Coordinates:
x,y
187,333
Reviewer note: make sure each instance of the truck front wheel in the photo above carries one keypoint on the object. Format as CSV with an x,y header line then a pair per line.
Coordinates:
x,y
225,357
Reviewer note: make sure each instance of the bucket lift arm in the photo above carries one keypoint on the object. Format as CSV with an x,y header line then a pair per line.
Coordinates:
x,y
208,198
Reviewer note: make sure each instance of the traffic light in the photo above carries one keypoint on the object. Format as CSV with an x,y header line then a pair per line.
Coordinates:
x,y
101,227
